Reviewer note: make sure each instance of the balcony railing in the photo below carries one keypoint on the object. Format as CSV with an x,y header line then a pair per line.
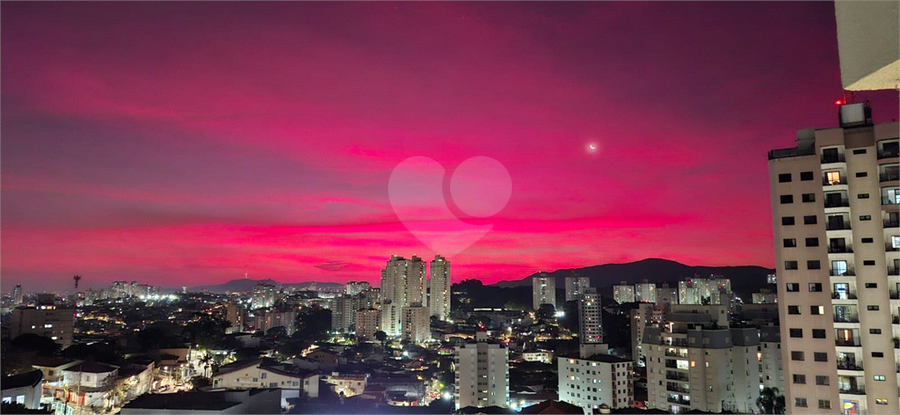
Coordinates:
x,y
676,376
671,364
887,177
843,273
837,226
826,182
895,295
833,159
893,271
888,201
675,387
847,343
895,320
853,391
846,319
843,296
891,223
837,203
849,366
678,400
887,154
840,250
890,248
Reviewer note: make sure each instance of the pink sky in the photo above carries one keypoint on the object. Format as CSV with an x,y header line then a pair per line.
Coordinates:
x,y
190,143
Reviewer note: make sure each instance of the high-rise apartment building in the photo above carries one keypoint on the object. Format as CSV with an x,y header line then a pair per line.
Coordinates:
x,y
590,324
695,361
47,320
402,284
645,315
482,374
235,315
17,295
623,292
343,312
645,292
263,296
439,288
575,286
416,323
367,323
543,288
592,381
835,203
356,287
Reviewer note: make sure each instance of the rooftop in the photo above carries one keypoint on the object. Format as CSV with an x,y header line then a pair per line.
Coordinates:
x,y
27,379
91,367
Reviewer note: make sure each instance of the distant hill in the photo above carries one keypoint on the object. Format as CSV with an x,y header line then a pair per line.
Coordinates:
x,y
247,284
744,279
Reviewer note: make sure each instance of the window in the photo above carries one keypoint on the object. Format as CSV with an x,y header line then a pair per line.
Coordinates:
x,y
812,241
809,220
867,240
839,268
797,356
792,287
824,403
895,241
822,380
871,285
785,199
869,262
801,379
813,265
865,217
862,196
790,264
877,354
879,378
872,307
833,177
787,220
262,375
861,174
815,287
784,177
808,197
818,333
820,357
874,331
806,176
816,310
797,333
801,402
790,243
881,401
793,309
859,151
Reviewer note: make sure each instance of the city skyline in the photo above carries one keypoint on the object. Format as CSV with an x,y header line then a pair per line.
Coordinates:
x,y
195,142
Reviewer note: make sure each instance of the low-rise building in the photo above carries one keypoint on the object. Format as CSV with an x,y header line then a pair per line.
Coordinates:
x,y
23,389
596,380
347,384
265,373
252,401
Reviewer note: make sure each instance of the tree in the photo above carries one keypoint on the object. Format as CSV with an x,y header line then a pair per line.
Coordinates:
x,y
32,342
198,382
381,336
770,401
546,311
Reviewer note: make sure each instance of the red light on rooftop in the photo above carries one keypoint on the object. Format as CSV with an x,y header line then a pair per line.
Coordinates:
x,y
838,102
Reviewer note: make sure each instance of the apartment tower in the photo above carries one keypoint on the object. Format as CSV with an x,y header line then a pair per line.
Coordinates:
x,y
834,210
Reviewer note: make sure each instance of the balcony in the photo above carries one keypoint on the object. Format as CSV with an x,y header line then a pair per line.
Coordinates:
x,y
843,296
678,400
893,271
826,182
895,319
670,375
850,366
895,295
675,387
837,226
848,343
671,364
852,391
888,201
833,159
888,177
889,248
843,273
891,223
886,154
837,203
854,318
791,152
840,250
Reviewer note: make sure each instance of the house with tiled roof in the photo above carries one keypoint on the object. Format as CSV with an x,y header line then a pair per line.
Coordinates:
x,y
267,373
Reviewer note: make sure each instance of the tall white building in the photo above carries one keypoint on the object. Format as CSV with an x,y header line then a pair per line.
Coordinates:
x,y
771,372
402,283
343,312
439,288
575,286
645,292
623,292
367,323
695,364
596,380
543,288
835,211
482,374
263,296
416,323
666,295
645,315
17,295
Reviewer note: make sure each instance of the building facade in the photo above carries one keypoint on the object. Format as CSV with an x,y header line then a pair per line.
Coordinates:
x,y
835,218
439,288
416,323
596,380
57,324
623,293
543,289
482,374
575,286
